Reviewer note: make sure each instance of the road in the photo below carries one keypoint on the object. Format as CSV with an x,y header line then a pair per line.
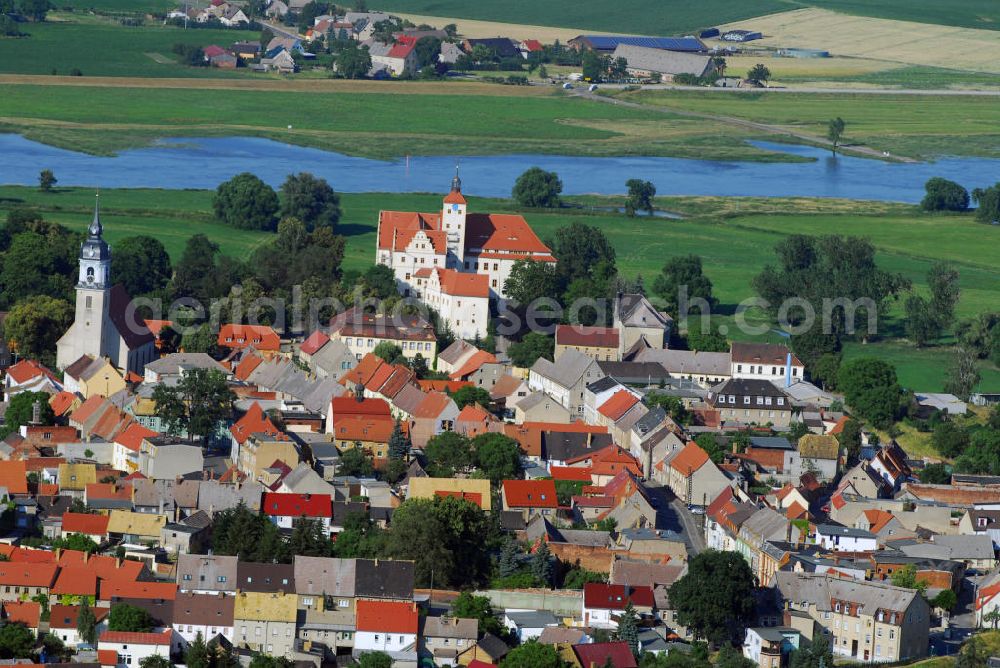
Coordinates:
x,y
672,515
816,89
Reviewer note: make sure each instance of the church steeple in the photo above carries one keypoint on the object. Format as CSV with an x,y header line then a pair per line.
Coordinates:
x,y
95,255
96,229
456,183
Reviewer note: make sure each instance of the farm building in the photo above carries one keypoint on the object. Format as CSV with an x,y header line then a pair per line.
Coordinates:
x,y
741,35
644,62
709,33
803,53
607,44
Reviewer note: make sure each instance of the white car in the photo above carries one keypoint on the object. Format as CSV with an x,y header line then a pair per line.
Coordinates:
x,y
697,510
592,88
568,86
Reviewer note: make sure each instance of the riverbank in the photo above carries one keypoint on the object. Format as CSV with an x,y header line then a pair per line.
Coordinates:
x,y
734,236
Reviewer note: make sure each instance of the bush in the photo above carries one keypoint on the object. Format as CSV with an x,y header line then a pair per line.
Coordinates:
x,y
944,195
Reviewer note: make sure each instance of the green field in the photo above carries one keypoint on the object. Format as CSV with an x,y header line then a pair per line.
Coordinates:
x,y
733,246
911,125
98,47
117,6
672,17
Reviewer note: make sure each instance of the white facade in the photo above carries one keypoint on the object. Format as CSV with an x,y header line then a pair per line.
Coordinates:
x,y
131,654
374,641
186,633
70,636
846,539
599,618
467,315
288,521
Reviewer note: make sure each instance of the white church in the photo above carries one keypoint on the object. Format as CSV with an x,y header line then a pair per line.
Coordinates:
x,y
106,323
454,260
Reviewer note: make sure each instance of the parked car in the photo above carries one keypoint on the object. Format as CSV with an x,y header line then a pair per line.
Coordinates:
x,y
568,86
592,87
696,510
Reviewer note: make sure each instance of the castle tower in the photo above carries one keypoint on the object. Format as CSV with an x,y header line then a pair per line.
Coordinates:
x,y
453,222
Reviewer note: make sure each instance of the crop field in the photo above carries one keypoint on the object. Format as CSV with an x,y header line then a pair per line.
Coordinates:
x,y
733,247
476,28
904,42
913,125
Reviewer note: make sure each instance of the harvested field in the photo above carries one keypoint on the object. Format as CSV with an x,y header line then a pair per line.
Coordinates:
x,y
475,29
880,39
806,68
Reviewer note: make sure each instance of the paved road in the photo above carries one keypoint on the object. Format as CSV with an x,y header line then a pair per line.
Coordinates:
x,y
817,89
672,515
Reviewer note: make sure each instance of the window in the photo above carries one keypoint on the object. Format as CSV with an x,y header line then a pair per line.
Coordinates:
x,y
89,302
739,367
187,577
746,401
767,400
307,600
781,401
222,578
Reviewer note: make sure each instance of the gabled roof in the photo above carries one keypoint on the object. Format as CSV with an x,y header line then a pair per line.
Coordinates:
x,y
14,476
387,617
462,284
125,637
530,493
126,319
771,354
25,370
16,574
23,612
576,473
617,653
260,337
254,421
296,505
815,446
84,523
619,403
473,364
166,591
62,402
433,404
132,436
586,336
690,459
75,581
615,597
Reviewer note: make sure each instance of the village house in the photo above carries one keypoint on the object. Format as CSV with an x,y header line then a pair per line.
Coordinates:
x,y
530,497
639,324
694,477
566,382
745,401
604,603
361,332
265,621
387,626
132,649
601,343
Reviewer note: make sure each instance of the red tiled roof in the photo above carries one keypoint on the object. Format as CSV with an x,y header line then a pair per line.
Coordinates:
x,y
254,421
471,497
615,597
594,501
461,284
387,617
156,326
75,580
530,493
260,337
24,612
404,47
690,459
617,653
449,386
530,440
796,511
62,402
26,574
123,637
104,567
619,404
107,490
107,657
166,591
212,50
350,406
296,505
246,366
25,370
432,405
590,337
87,409
14,476
48,489
485,233
132,436
376,429
314,342
612,460
91,525
532,45
473,413
472,364
455,197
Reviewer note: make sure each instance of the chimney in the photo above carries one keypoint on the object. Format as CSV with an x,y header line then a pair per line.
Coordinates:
x,y
36,412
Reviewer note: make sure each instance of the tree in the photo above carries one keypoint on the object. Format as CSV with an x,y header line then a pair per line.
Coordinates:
x,y
628,628
497,456
982,455
203,339
379,282
36,10
34,325
354,462
374,660
21,408
196,406
935,474
710,445
921,325
536,188
197,654
824,371
447,454
16,641
714,599
388,351
46,179
850,439
533,654
86,623
541,564
125,617
817,654
945,599
673,406
835,131
706,342
871,390
247,203
972,654
943,282
155,661
906,577
399,443
508,564
719,63
468,606
427,50
528,350
992,617
202,274
944,195
308,539
640,196
311,200
354,61
759,74
949,439
584,252
683,274
595,66
963,375
730,657
141,264
471,395
530,280
988,203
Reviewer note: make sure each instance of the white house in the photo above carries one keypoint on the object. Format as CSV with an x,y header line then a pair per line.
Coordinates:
x,y
284,509
764,361
603,604
207,614
62,622
132,648
846,539
567,381
386,626
462,300
528,624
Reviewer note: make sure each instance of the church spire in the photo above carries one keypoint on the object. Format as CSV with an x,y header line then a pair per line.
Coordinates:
x,y
456,183
96,229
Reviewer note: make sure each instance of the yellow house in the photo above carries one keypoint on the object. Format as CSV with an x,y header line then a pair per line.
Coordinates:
x,y
94,377
136,527
265,622
76,477
477,491
262,450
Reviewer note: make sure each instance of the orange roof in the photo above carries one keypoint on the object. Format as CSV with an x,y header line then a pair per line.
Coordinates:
x,y
254,421
530,440
578,473
612,460
471,497
107,657
132,436
107,490
246,366
314,342
27,574
472,364
484,232
48,489
25,370
14,476
24,612
156,326
387,617
105,567
473,413
454,197
839,426
432,405
690,459
449,386
25,555
796,511
260,337
356,428
87,409
147,590
62,402
110,423
91,525
378,378
348,406
587,337
620,403
364,370
121,637
530,493
75,581
877,519
461,284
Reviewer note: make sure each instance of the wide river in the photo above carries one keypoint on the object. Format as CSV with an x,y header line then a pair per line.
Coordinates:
x,y
205,162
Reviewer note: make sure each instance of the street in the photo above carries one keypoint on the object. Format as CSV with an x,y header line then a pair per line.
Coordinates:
x,y
672,515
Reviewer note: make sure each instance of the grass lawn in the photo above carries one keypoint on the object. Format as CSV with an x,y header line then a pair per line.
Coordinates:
x,y
98,47
922,126
733,246
902,77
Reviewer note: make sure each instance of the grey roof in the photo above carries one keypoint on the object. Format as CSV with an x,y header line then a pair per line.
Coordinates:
x,y
409,398
766,524
455,351
378,578
643,573
959,548
173,363
532,399
821,589
771,442
266,578
602,385
532,619
634,310
214,497
634,372
176,460
835,530
450,627
200,571
317,399
304,480
323,575
568,371
329,358
563,445
688,362
650,421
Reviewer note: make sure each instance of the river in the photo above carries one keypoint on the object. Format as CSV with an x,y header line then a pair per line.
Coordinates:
x,y
205,162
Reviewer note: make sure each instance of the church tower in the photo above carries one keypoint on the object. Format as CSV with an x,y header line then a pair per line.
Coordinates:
x,y
453,222
92,329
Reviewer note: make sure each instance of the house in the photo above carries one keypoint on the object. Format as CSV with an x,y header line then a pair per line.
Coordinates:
x,y
639,324
462,299
209,615
501,47
127,446
265,621
845,539
606,44
540,407
765,361
30,376
704,368
133,648
474,490
23,612
770,646
260,337
820,455
566,381
530,497
135,527
361,332
63,622
105,324
528,624
616,654
936,401
644,62
384,580
604,603
206,574
601,343
94,527
746,401
23,581
387,626
487,244
246,50
444,639
284,509
693,476
397,58
93,377
282,61
865,621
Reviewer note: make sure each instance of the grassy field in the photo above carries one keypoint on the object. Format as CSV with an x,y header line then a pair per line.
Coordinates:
x,y
917,126
733,246
896,41
117,6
